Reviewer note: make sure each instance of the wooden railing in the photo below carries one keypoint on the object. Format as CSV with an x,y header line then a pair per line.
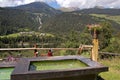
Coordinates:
x,y
108,55
14,49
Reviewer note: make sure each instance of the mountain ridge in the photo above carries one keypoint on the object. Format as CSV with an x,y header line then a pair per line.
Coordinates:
x,y
107,11
38,7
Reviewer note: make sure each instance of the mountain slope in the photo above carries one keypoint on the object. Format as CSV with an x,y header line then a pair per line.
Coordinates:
x,y
25,17
99,11
65,22
12,20
38,7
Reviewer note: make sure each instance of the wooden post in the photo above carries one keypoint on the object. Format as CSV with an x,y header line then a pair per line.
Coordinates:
x,y
95,46
94,55
94,52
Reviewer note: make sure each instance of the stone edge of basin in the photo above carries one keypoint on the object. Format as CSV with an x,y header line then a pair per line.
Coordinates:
x,y
7,64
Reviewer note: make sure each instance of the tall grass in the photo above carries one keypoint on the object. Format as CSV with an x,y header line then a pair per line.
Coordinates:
x,y
114,69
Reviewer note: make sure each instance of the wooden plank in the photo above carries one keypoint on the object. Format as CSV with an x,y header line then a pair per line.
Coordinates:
x,y
87,46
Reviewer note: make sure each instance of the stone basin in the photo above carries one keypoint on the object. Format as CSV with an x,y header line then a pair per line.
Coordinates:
x,y
57,68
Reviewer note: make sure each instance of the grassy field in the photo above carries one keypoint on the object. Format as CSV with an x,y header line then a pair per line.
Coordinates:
x,y
27,34
114,69
11,35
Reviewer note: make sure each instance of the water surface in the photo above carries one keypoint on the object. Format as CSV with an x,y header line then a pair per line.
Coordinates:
x,y
57,65
5,73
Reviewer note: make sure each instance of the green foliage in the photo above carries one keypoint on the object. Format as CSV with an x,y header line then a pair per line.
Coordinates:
x,y
72,40
28,40
114,46
85,38
105,34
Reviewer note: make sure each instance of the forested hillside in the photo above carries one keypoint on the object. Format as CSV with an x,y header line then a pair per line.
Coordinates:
x,y
66,22
12,20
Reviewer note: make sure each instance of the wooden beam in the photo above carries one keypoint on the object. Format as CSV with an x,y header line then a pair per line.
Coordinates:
x,y
14,49
87,46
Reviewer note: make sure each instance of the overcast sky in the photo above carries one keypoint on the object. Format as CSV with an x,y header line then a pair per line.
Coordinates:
x,y
66,3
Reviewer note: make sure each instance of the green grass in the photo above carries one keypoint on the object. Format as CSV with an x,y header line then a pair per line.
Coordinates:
x,y
114,69
34,33
11,35
49,35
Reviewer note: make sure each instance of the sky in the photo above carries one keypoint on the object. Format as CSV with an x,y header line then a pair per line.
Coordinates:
x,y
82,4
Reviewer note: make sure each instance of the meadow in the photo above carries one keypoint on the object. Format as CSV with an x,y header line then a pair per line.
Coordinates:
x,y
114,69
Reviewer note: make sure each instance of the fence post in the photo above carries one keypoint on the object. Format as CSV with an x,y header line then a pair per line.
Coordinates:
x,y
94,55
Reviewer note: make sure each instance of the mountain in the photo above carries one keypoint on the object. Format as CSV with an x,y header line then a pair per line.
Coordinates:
x,y
95,10
99,11
38,7
39,16
25,17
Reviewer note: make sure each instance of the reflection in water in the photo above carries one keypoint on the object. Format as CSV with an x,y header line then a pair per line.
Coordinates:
x,y
32,67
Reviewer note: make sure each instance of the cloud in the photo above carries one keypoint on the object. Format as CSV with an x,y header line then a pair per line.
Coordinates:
x,y
109,3
78,3
89,3
67,3
5,3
